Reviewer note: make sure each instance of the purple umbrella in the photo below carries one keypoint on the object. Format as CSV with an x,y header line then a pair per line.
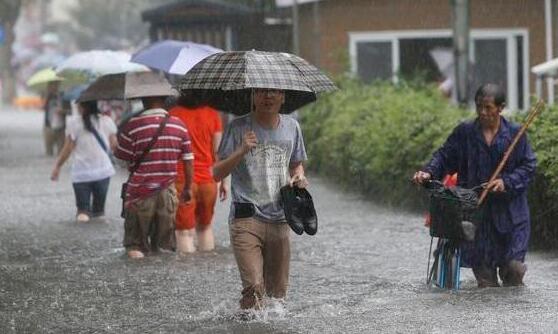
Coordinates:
x,y
174,57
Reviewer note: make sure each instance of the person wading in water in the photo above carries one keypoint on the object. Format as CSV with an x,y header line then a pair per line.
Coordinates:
x,y
474,150
262,151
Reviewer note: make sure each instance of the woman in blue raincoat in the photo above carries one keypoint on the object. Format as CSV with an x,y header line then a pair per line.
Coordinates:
x,y
474,150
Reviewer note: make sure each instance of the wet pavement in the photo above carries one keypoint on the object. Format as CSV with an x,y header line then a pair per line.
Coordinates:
x,y
363,272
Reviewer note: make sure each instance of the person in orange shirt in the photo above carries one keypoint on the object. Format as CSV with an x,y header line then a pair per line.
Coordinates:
x,y
205,130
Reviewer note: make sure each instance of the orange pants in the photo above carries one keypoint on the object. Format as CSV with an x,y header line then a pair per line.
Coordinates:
x,y
200,209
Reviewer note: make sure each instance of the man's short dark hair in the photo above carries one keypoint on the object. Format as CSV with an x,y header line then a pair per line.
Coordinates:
x,y
191,98
148,101
491,90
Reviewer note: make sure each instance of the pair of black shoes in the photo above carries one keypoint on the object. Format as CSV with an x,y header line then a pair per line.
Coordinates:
x,y
299,210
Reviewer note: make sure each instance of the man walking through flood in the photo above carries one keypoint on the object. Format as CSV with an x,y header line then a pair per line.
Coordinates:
x,y
151,200
262,151
474,150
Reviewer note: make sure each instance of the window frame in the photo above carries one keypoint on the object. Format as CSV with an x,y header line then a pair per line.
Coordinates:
x,y
508,34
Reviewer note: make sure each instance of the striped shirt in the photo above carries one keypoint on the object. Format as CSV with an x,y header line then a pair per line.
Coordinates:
x,y
158,168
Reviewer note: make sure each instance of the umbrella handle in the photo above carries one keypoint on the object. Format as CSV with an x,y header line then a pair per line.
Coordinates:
x,y
251,101
251,115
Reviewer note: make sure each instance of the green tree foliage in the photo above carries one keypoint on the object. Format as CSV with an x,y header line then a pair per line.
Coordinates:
x,y
9,12
117,24
372,138
112,24
543,193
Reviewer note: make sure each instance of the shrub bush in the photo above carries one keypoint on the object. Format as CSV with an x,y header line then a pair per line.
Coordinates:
x,y
543,193
372,138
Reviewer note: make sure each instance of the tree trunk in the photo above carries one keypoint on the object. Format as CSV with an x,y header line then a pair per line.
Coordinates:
x,y
9,11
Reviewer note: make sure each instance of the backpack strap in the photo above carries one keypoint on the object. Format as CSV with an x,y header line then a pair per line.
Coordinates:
x,y
99,139
138,162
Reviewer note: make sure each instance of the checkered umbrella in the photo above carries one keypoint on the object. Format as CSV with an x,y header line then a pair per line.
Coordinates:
x,y
227,79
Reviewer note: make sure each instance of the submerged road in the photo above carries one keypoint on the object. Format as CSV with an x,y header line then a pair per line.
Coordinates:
x,y
363,272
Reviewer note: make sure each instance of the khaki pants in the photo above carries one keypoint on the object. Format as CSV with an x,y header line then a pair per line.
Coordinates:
x,y
262,252
149,224
53,138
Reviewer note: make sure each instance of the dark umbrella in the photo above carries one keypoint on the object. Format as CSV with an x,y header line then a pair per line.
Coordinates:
x,y
227,79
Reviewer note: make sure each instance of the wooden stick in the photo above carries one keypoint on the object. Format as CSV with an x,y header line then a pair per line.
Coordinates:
x,y
535,111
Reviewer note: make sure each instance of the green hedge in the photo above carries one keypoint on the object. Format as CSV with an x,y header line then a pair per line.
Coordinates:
x,y
372,138
543,193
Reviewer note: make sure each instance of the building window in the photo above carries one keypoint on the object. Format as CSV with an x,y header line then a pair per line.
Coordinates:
x,y
490,62
497,56
374,61
416,59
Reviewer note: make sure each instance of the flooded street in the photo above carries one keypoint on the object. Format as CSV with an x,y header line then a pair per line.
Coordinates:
x,y
364,272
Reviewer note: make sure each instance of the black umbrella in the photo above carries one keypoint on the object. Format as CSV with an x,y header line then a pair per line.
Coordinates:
x,y
226,79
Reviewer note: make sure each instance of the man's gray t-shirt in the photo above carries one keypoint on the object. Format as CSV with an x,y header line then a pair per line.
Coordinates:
x,y
258,178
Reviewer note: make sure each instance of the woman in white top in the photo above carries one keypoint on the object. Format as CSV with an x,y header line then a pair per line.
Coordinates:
x,y
89,139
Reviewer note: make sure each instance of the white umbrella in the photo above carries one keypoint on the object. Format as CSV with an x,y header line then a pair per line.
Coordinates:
x,y
82,66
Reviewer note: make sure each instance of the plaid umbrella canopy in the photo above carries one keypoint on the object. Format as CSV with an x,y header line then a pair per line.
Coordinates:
x,y
227,79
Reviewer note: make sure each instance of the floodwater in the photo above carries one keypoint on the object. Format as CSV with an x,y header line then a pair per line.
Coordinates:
x,y
364,272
